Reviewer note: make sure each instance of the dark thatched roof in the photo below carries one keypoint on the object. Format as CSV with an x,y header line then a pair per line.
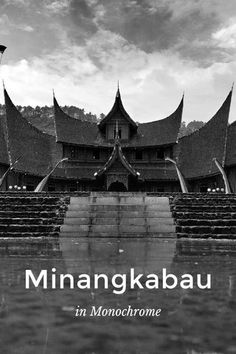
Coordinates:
x,y
197,150
117,108
38,150
231,145
75,131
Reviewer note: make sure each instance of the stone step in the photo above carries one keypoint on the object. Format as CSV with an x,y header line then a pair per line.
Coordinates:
x,y
33,207
76,235
208,203
29,234
206,229
28,214
114,214
122,207
206,222
118,200
118,229
118,215
205,215
30,221
29,228
212,208
222,197
206,236
28,201
117,221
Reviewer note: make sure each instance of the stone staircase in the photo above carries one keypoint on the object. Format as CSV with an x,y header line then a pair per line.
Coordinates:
x,y
118,215
205,215
23,215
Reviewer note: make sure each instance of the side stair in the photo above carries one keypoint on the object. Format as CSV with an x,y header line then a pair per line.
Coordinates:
x,y
205,216
31,216
118,215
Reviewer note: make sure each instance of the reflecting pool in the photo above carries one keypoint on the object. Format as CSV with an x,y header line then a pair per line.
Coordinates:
x,y
43,321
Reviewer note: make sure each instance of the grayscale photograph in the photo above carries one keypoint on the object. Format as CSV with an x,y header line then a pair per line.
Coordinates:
x,y
117,177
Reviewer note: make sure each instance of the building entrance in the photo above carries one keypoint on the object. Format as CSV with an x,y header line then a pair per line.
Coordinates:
x,y
117,187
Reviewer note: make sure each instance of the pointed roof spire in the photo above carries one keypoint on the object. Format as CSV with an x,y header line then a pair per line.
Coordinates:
x,y
118,107
118,90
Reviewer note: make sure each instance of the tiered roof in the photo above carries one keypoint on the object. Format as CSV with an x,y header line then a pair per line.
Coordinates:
x,y
197,150
118,108
75,131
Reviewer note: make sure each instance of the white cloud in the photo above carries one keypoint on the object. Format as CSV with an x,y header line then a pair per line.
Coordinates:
x,y
226,36
58,6
6,26
17,2
151,84
25,28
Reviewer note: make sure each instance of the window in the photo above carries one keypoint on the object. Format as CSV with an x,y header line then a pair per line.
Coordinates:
x,y
160,154
138,155
119,133
96,154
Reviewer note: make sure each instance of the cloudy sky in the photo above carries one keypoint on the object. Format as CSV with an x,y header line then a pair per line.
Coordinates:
x,y
157,49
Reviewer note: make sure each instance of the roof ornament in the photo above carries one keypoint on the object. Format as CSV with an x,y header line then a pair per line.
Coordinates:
x,y
2,179
222,171
43,182
118,89
181,178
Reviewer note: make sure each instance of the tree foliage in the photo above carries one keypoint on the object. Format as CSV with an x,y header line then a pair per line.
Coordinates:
x,y
189,128
42,118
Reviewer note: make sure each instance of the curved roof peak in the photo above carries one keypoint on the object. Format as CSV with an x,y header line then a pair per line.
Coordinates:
x,y
118,108
197,150
225,106
175,115
118,89
24,139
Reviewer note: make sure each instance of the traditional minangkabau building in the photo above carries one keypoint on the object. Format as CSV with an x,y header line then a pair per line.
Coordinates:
x,y
117,154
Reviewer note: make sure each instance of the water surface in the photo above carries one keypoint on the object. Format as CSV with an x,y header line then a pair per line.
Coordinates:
x,y
41,321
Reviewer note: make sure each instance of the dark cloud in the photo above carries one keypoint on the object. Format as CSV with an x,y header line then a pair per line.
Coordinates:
x,y
152,26
80,22
157,28
138,23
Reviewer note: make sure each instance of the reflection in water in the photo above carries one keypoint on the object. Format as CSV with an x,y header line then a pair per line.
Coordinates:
x,y
192,321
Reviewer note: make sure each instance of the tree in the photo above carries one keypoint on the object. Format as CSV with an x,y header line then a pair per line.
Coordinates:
x,y
190,127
